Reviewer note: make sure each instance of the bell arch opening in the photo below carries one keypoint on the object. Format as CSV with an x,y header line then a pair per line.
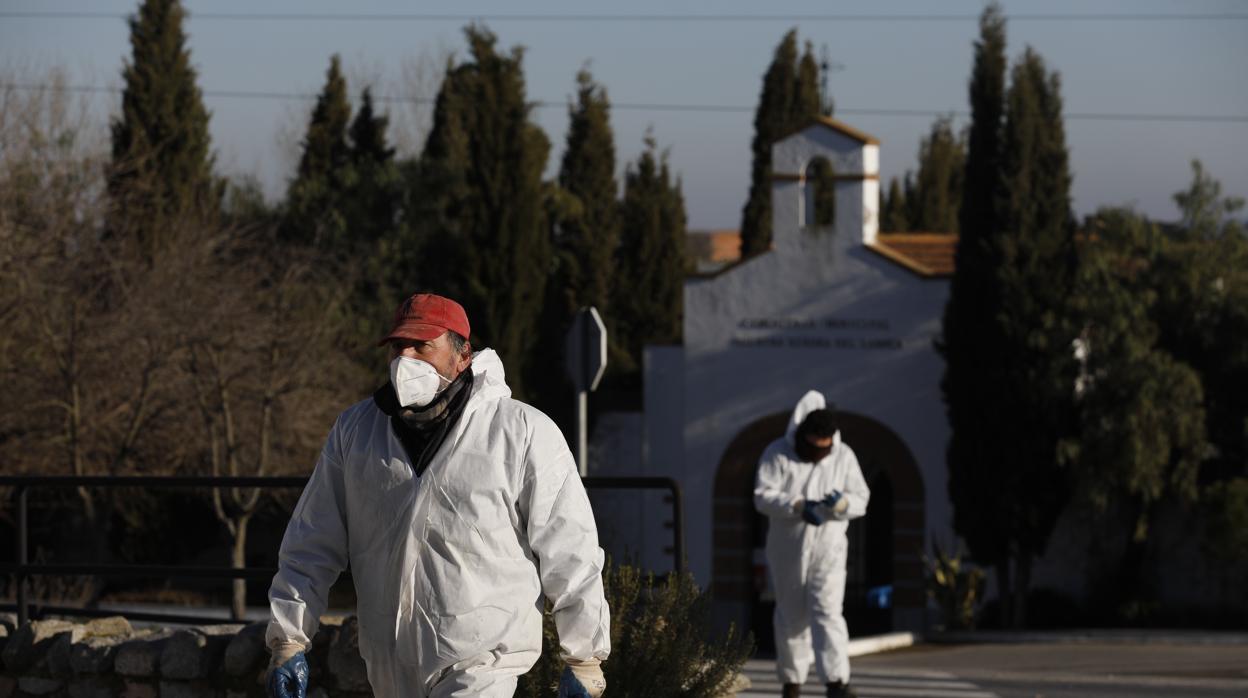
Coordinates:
x,y
818,194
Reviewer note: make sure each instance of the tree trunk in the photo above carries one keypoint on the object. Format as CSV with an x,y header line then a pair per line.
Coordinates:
x,y
238,560
77,462
1132,591
95,529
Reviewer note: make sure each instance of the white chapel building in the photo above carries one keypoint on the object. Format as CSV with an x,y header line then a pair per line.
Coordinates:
x,y
835,308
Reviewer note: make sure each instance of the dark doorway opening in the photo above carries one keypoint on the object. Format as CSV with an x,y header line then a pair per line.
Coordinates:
x,y
871,559
885,545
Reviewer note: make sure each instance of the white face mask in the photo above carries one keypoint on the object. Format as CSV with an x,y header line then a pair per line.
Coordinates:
x,y
415,382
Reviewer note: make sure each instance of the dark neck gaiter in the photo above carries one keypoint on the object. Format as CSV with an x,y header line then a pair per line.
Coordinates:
x,y
422,430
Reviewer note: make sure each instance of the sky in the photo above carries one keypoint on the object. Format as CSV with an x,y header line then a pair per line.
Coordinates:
x,y
1123,67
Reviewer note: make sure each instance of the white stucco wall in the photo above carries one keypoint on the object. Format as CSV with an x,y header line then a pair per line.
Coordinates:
x,y
636,526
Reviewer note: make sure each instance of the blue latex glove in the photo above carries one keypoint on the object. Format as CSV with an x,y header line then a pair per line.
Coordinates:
x,y
810,513
290,680
570,686
832,499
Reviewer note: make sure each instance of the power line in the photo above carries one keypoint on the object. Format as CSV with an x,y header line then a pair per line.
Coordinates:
x,y
435,17
666,107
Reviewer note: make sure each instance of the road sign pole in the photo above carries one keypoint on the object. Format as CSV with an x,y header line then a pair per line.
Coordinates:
x,y
586,355
582,432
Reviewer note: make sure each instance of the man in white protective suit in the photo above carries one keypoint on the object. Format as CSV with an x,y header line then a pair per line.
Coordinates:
x,y
459,512
809,486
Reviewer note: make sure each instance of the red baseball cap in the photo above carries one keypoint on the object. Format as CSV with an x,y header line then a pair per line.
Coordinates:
x,y
426,316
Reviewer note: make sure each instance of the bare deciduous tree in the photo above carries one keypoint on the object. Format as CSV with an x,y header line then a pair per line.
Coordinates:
x,y
266,378
219,353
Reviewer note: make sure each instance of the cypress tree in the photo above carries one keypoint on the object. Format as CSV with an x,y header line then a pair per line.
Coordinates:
x,y
485,241
370,202
368,133
161,166
314,207
650,265
909,199
938,188
588,174
970,342
977,216
789,100
807,97
1035,168
1034,283
373,191
584,223
893,218
325,149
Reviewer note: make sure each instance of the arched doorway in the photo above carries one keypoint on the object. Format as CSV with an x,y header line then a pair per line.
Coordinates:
x,y
885,546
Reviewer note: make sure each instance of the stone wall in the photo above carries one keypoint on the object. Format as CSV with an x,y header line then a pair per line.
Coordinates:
x,y
109,657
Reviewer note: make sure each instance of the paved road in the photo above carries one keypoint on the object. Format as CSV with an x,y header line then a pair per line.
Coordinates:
x,y
1035,670
871,682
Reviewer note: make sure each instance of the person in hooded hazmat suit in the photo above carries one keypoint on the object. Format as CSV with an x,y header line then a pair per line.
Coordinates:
x,y
809,485
459,512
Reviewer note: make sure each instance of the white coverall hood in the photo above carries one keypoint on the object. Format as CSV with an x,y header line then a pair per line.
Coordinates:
x,y
807,563
451,569
488,378
811,401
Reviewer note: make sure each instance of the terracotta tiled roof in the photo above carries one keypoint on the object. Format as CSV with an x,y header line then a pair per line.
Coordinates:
x,y
926,254
722,245
929,255
712,250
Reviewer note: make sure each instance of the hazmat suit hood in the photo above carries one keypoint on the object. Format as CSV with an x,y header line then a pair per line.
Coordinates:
x,y
490,378
811,401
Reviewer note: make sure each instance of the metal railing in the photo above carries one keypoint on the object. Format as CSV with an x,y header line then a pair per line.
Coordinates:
x,y
652,483
23,569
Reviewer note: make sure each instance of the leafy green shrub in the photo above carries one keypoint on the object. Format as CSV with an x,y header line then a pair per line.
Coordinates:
x,y
662,643
956,587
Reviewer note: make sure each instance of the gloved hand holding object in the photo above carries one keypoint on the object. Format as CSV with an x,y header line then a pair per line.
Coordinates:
x,y
836,502
811,514
582,679
288,673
